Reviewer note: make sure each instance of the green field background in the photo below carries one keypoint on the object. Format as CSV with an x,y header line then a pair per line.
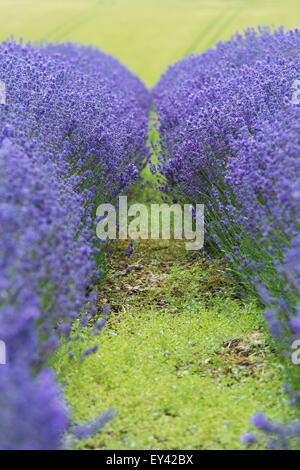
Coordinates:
x,y
146,35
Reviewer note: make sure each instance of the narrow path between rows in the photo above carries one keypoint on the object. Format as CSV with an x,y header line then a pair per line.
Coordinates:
x,y
182,360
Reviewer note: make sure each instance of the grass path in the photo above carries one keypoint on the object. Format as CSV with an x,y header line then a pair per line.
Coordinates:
x,y
182,360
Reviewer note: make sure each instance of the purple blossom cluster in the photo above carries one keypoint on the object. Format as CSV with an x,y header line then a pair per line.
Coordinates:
x,y
33,413
283,317
80,108
72,134
230,138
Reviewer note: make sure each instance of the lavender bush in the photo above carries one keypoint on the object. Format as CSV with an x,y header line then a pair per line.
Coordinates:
x,y
33,413
230,138
70,137
283,317
81,117
228,130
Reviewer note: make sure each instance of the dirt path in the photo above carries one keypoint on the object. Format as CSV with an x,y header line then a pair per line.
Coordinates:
x,y
145,276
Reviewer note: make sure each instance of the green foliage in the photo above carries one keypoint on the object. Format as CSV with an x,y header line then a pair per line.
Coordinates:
x,y
183,361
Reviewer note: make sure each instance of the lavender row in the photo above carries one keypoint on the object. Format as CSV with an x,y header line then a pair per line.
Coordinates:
x,y
72,134
230,138
283,317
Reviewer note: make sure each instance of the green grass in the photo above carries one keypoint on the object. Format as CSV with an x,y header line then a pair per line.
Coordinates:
x,y
147,35
182,361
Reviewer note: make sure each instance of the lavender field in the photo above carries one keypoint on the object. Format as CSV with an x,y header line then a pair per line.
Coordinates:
x,y
136,343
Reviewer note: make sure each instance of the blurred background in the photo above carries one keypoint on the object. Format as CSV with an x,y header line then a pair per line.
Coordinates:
x,y
146,35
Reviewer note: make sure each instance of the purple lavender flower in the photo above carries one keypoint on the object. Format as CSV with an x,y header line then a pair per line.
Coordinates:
x,y
230,138
72,134
130,250
33,412
248,438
